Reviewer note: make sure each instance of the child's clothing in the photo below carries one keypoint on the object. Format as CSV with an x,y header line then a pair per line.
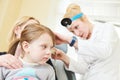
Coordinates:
x,y
28,72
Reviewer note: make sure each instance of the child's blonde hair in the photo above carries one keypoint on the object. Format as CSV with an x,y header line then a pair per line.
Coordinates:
x,y
29,34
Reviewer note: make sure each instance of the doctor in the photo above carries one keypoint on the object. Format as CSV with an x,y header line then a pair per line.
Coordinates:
x,y
96,45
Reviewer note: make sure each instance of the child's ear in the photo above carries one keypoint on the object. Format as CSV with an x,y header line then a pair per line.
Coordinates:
x,y
25,46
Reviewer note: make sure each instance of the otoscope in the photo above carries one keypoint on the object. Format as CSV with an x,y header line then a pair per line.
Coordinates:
x,y
66,22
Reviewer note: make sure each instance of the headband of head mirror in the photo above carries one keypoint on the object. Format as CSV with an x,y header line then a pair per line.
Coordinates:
x,y
67,21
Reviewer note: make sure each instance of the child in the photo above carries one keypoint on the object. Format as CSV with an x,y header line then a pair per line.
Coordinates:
x,y
12,62
36,43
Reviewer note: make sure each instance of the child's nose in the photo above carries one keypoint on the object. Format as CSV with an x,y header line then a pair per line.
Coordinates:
x,y
48,52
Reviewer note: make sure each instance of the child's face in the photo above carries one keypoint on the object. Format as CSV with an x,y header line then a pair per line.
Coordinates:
x,y
39,50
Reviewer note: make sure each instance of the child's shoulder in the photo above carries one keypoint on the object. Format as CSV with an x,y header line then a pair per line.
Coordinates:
x,y
47,66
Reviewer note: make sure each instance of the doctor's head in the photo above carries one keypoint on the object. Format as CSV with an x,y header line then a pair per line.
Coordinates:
x,y
80,26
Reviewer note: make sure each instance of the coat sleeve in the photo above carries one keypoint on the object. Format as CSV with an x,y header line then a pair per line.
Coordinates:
x,y
78,66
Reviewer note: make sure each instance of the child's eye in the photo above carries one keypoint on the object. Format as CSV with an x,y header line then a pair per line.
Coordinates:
x,y
43,46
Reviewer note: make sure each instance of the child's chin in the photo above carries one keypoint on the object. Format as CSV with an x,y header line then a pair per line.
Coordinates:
x,y
43,62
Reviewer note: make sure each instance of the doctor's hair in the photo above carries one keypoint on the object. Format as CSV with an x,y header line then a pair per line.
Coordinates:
x,y
30,33
72,10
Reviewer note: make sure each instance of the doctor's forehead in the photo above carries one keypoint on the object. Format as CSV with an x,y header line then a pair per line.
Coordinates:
x,y
74,23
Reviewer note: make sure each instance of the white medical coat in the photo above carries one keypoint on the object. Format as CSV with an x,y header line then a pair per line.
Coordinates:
x,y
98,57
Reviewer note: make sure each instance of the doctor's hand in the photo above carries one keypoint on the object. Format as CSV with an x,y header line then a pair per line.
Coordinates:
x,y
10,61
60,55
